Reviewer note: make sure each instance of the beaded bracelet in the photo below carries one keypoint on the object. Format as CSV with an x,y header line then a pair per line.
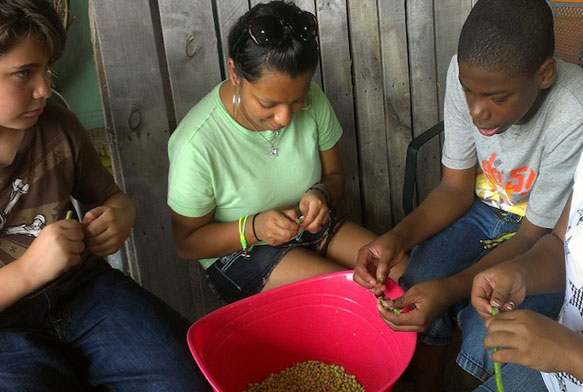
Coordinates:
x,y
323,191
253,226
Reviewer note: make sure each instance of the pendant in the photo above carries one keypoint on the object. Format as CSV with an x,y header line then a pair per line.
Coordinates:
x,y
273,151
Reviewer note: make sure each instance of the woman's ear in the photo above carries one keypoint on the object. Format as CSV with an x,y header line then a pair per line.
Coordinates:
x,y
235,80
546,74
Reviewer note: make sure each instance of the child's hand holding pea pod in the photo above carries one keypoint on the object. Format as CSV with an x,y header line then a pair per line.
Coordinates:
x,y
387,304
299,221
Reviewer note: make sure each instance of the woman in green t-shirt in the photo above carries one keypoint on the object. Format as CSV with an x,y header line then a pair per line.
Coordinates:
x,y
255,169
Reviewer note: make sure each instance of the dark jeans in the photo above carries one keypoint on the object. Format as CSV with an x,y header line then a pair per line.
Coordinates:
x,y
95,329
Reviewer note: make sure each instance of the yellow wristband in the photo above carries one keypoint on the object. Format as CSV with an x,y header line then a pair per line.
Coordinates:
x,y
242,224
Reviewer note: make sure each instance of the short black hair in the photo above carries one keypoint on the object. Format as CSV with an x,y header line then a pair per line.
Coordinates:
x,y
511,36
291,56
38,18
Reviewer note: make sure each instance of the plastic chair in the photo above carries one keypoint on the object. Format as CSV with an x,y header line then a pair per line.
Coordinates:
x,y
568,17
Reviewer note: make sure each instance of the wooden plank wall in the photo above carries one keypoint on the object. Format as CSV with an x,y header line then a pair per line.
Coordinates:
x,y
383,65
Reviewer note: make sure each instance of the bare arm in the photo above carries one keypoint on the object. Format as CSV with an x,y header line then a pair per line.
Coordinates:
x,y
332,173
540,269
122,201
57,248
527,235
198,238
451,199
15,284
314,204
109,225
544,264
528,338
546,261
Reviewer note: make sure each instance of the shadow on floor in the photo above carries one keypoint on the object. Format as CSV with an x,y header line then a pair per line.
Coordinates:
x,y
455,378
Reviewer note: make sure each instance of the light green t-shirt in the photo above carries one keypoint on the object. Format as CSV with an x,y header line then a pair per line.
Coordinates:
x,y
215,163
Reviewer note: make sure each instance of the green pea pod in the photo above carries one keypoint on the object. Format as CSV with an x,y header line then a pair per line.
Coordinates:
x,y
490,244
391,308
497,370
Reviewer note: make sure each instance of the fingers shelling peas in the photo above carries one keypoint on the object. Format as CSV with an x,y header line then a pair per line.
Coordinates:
x,y
387,304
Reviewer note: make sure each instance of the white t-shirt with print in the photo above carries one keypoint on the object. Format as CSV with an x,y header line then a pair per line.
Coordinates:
x,y
572,312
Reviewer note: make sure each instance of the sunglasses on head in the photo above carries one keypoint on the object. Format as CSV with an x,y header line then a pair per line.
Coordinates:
x,y
269,30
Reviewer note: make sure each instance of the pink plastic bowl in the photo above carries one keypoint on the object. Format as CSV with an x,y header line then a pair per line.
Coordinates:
x,y
327,318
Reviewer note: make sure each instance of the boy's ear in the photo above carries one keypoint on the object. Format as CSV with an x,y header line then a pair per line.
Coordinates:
x,y
233,73
546,74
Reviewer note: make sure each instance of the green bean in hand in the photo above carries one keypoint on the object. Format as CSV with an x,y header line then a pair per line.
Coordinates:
x,y
497,371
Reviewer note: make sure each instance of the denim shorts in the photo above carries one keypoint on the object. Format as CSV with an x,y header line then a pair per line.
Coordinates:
x,y
452,250
239,275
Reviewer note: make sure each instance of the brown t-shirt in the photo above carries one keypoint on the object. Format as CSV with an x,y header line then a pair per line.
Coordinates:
x,y
56,160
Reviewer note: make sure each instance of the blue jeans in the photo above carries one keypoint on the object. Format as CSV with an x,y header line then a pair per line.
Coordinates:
x,y
452,250
95,329
475,359
516,378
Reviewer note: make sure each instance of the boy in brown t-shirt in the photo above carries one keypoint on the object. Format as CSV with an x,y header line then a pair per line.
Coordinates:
x,y
68,321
